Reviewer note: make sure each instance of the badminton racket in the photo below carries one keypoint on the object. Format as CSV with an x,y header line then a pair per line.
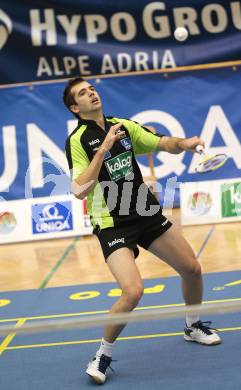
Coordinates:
x,y
209,163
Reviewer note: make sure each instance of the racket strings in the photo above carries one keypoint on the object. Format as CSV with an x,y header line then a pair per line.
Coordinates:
x,y
211,163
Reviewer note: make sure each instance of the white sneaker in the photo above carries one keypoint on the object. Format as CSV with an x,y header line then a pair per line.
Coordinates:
x,y
202,333
97,368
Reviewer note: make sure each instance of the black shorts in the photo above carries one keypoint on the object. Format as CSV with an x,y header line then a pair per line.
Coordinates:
x,y
140,231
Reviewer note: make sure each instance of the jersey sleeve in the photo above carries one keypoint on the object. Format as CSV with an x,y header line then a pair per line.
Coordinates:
x,y
143,140
77,158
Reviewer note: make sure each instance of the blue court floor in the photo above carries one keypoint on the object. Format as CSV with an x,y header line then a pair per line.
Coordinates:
x,y
151,355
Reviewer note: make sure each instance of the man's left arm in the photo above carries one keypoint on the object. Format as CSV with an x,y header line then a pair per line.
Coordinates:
x,y
176,145
144,141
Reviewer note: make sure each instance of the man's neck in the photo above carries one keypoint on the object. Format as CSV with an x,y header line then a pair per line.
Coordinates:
x,y
98,117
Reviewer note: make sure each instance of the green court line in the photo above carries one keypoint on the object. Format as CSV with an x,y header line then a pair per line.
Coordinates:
x,y
59,263
205,241
147,336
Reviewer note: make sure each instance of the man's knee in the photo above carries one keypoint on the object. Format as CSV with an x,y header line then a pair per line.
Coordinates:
x,y
193,269
133,293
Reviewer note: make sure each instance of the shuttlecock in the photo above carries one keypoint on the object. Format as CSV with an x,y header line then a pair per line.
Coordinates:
x,y
181,34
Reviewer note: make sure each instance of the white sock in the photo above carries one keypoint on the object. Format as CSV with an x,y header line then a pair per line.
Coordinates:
x,y
191,319
105,348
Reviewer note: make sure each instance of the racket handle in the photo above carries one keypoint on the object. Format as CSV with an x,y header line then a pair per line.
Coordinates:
x,y
199,149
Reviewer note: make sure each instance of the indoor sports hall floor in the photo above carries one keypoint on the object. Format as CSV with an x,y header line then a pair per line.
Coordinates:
x,y
62,279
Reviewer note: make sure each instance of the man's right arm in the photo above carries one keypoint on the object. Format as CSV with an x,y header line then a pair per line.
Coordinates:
x,y
86,181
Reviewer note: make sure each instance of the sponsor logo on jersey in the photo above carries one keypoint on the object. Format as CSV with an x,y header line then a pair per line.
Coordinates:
x,y
95,141
107,155
126,142
116,241
120,166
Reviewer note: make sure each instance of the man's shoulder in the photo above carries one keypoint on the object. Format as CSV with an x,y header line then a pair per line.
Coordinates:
x,y
78,131
115,119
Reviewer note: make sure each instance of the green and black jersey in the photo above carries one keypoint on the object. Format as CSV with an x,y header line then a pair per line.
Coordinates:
x,y
115,197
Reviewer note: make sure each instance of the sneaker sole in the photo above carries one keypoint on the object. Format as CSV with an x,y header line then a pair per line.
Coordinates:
x,y
96,378
187,338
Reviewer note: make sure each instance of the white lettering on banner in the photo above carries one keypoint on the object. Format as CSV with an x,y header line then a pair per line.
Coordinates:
x,y
48,26
95,25
39,142
236,12
211,12
107,64
235,196
124,62
52,226
57,70
70,27
187,17
141,61
43,68
130,26
149,22
51,66
157,23
83,64
168,60
10,157
5,28
170,163
69,64
216,119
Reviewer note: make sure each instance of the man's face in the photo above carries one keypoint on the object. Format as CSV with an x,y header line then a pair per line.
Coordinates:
x,y
86,99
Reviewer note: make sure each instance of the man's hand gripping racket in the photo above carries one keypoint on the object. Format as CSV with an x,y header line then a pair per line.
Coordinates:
x,y
209,163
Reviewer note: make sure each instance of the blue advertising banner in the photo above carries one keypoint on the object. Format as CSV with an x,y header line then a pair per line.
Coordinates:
x,y
34,125
51,217
42,40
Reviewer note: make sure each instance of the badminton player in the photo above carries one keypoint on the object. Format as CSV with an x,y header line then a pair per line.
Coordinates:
x,y
124,213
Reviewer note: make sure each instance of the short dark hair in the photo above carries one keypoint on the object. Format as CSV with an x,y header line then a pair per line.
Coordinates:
x,y
68,98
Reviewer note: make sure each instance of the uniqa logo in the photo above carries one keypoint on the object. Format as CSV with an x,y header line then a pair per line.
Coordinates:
x,y
119,164
200,203
50,218
5,28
